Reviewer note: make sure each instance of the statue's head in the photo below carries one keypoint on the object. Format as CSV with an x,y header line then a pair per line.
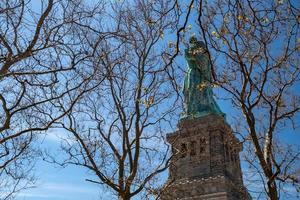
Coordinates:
x,y
194,42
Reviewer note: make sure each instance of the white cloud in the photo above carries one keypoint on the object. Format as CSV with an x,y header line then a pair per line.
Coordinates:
x,y
59,190
56,136
67,187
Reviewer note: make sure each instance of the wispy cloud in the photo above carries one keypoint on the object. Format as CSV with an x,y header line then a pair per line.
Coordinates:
x,y
57,135
67,187
59,191
30,195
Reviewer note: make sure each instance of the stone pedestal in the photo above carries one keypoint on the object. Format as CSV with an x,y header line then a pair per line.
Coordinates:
x,y
205,162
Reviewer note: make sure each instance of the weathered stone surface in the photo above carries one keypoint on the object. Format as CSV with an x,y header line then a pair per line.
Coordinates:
x,y
205,162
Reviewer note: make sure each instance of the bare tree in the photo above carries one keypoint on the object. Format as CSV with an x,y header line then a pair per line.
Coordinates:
x,y
254,47
42,52
116,130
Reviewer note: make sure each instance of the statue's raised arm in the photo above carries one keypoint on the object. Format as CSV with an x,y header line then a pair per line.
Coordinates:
x,y
197,90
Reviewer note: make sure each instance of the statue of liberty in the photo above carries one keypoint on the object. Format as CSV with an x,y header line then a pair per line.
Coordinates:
x,y
197,90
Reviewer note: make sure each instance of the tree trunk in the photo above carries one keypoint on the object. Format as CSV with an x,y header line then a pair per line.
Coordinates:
x,y
272,191
124,196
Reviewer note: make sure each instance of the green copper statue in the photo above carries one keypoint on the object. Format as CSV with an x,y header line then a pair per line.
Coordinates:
x,y
197,90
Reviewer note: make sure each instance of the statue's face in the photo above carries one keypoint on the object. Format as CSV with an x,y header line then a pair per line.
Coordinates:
x,y
193,41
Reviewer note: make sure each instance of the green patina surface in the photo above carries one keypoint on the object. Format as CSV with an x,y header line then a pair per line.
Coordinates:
x,y
197,90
